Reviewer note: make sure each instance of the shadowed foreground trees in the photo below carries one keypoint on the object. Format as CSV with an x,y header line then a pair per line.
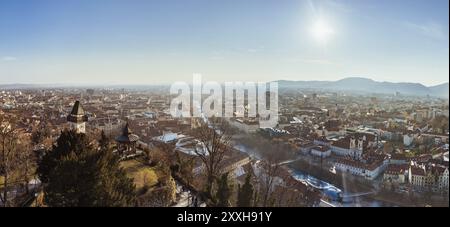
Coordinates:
x,y
8,158
75,173
17,162
224,191
245,193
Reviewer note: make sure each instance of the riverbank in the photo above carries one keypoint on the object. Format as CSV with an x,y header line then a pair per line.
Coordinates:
x,y
359,191
350,184
347,183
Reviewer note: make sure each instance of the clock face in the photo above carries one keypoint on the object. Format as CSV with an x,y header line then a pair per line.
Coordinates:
x,y
79,127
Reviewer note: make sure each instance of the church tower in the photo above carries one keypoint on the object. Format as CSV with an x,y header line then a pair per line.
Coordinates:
x,y
352,143
360,144
77,119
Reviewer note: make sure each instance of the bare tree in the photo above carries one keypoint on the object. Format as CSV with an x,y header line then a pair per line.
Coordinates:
x,y
215,143
40,133
163,153
8,158
184,167
270,168
26,162
17,160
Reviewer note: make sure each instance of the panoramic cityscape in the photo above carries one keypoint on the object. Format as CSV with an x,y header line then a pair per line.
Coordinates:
x,y
295,103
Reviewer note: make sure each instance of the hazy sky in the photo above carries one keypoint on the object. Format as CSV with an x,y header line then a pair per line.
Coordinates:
x,y
134,42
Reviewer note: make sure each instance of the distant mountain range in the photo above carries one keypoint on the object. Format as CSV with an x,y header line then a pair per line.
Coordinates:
x,y
356,84
360,84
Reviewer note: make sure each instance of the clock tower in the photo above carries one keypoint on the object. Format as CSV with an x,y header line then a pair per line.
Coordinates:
x,y
77,118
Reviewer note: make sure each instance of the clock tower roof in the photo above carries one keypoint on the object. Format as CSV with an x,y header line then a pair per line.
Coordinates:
x,y
77,114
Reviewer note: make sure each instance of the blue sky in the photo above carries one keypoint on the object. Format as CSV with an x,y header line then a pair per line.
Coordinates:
x,y
146,42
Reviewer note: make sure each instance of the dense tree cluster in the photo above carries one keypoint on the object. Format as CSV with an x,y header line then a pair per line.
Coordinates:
x,y
75,173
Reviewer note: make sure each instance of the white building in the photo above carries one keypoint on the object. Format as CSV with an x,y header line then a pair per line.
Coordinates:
x,y
442,182
322,141
417,176
408,139
349,147
359,168
432,177
395,174
347,166
305,148
321,151
167,137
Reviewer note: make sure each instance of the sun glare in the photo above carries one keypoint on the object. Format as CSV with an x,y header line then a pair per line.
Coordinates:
x,y
322,31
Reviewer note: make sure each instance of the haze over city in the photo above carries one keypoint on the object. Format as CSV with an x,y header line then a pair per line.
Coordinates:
x,y
154,42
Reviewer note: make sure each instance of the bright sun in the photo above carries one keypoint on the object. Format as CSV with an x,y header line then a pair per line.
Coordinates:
x,y
322,31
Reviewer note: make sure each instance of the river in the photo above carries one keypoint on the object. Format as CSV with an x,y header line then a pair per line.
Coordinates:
x,y
335,193
329,190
